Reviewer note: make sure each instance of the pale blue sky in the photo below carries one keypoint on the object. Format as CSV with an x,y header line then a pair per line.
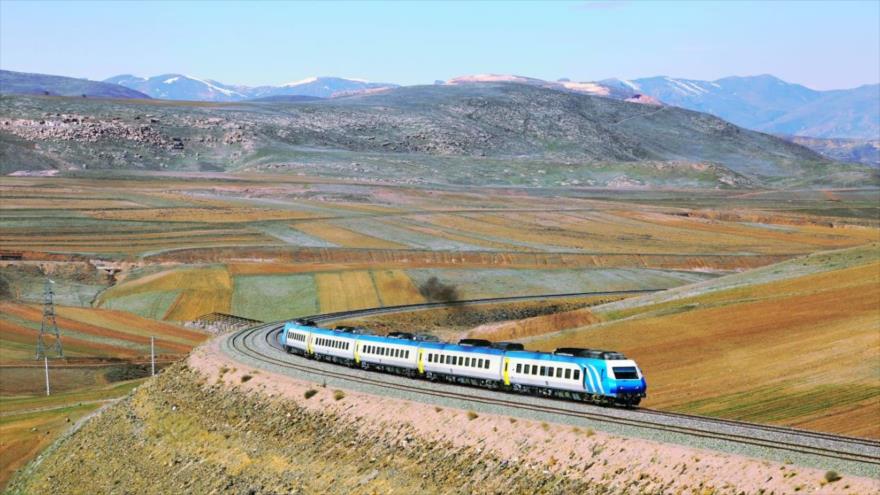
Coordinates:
x,y
822,45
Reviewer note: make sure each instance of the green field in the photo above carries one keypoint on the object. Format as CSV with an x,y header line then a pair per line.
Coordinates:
x,y
274,297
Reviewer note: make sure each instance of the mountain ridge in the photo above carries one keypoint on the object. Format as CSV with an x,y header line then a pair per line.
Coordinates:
x,y
173,86
13,82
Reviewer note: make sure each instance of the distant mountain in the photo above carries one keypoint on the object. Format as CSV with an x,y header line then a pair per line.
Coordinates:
x,y
179,87
182,87
769,104
321,87
286,98
763,103
866,151
42,84
590,88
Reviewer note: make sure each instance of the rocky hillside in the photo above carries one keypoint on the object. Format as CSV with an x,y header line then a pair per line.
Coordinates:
x,y
24,83
483,126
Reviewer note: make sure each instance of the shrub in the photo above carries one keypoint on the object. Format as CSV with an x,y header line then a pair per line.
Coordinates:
x,y
832,476
310,393
472,415
438,408
338,394
245,378
512,420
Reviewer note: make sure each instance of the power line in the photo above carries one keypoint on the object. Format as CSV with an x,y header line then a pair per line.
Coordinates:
x,y
48,323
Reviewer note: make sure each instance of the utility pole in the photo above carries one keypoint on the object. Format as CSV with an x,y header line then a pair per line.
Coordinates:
x,y
48,323
152,356
46,362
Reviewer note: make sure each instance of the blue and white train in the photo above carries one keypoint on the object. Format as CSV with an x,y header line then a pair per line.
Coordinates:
x,y
601,377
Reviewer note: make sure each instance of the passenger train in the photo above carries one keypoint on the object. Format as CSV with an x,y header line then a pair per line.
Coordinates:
x,y
601,377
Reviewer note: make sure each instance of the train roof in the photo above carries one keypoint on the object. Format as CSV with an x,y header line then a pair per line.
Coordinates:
x,y
447,346
545,356
589,353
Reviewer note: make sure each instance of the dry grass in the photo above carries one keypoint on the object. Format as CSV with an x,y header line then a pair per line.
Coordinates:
x,y
799,352
89,331
203,290
65,203
28,425
341,291
531,327
202,215
345,237
396,288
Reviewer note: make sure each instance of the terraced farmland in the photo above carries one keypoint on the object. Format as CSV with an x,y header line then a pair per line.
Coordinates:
x,y
767,351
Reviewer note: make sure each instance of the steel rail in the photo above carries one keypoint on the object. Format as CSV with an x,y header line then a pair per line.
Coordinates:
x,y
239,341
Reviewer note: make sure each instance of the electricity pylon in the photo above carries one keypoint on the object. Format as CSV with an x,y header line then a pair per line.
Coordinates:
x,y
48,324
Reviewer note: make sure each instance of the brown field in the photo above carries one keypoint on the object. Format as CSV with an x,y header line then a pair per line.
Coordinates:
x,y
801,352
534,326
341,291
91,332
345,237
396,288
67,203
204,215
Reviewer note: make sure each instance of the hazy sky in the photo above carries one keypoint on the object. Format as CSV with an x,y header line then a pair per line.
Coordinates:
x,y
822,45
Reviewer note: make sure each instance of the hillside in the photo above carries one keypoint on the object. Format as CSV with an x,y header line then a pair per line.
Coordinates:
x,y
24,83
476,134
757,346
866,151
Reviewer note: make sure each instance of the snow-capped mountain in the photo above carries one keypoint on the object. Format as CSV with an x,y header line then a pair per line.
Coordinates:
x,y
764,103
179,87
182,87
769,104
591,88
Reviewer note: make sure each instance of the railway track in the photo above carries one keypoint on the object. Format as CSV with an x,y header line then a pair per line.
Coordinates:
x,y
261,344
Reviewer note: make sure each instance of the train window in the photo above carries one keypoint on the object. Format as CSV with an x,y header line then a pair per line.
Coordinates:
x,y
526,371
486,363
460,361
535,369
568,374
519,367
543,371
550,371
558,372
406,354
577,374
467,362
479,363
430,358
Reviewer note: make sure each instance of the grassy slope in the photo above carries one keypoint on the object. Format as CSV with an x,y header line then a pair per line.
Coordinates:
x,y
28,424
797,346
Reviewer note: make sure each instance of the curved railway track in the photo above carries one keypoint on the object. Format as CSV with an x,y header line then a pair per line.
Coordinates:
x,y
261,344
